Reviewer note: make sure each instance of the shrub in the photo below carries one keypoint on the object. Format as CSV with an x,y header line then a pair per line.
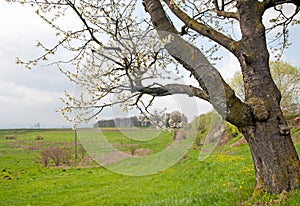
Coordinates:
x,y
57,154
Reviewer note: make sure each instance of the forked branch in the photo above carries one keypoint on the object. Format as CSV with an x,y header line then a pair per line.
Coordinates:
x,y
221,11
221,96
201,28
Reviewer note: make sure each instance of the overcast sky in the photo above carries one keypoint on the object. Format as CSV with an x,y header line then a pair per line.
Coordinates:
x,y
28,97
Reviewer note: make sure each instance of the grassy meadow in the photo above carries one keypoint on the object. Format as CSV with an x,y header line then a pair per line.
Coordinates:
x,y
225,178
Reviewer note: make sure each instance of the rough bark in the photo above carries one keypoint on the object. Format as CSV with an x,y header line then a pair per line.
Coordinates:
x,y
275,159
260,118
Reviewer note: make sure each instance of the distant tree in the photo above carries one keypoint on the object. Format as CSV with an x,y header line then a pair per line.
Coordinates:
x,y
114,52
37,125
119,122
176,120
237,84
144,121
168,120
105,123
286,78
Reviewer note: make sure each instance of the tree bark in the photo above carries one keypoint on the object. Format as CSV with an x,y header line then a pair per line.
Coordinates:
x,y
275,159
276,162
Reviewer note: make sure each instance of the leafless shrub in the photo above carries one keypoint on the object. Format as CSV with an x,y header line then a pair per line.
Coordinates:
x,y
56,154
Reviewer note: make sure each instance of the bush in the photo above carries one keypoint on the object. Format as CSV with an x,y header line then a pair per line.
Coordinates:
x,y
201,124
57,154
204,124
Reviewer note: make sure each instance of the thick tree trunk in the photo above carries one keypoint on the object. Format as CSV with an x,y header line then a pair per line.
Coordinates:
x,y
276,162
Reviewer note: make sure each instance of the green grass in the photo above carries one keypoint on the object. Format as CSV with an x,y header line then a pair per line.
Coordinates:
x,y
123,143
225,178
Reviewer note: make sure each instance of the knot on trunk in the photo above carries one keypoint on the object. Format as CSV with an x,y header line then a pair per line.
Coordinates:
x,y
259,108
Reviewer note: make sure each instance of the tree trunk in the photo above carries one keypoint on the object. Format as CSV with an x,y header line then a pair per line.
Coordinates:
x,y
276,162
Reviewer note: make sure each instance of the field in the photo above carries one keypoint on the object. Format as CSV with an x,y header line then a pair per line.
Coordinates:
x,y
225,178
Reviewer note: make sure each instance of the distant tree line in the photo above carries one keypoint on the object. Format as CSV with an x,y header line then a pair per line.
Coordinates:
x,y
123,122
169,120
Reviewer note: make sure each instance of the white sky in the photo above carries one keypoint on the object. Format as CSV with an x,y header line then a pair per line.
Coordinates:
x,y
28,97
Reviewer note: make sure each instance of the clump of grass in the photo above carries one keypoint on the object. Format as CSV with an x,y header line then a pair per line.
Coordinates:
x,y
38,137
263,198
6,174
10,137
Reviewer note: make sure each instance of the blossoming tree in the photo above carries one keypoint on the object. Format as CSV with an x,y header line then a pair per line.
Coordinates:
x,y
115,51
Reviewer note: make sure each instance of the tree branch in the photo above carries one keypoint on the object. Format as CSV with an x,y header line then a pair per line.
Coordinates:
x,y
171,89
84,22
221,12
221,96
272,3
202,29
284,21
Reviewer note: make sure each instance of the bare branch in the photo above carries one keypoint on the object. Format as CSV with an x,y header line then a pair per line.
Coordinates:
x,y
272,3
171,89
72,5
202,29
221,12
282,21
